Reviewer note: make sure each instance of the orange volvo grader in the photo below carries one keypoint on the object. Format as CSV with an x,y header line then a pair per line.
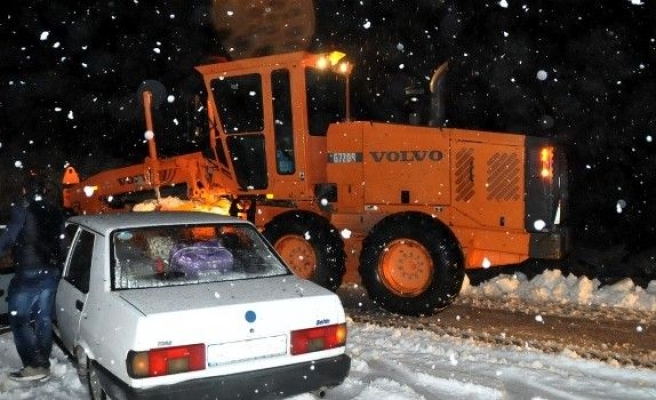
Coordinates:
x,y
401,209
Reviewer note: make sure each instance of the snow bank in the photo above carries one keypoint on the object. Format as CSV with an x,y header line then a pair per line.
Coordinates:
x,y
553,287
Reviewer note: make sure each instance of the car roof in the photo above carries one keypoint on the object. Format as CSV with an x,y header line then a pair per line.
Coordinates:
x,y
108,222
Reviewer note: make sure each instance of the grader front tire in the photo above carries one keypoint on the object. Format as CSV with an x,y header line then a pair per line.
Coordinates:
x,y
310,245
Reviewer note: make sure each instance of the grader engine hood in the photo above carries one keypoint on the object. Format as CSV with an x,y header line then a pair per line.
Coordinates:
x,y
497,191
459,169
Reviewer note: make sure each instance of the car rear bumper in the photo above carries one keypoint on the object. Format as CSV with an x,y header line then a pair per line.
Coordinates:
x,y
280,382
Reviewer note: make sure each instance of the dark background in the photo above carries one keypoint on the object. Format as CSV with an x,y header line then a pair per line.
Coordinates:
x,y
71,96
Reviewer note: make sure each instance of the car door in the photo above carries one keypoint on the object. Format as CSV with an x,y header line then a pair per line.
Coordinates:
x,y
74,287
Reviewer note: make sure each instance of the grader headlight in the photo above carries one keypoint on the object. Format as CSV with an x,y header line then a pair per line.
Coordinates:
x,y
333,61
335,57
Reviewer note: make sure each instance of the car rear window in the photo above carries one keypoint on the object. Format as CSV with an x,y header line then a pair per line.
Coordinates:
x,y
185,254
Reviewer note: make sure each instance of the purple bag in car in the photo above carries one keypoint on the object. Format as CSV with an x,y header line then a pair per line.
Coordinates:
x,y
200,257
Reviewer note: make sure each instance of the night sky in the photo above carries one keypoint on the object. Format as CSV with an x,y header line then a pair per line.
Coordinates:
x,y
579,71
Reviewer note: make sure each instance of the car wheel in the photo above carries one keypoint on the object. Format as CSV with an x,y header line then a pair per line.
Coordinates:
x,y
95,388
310,246
411,264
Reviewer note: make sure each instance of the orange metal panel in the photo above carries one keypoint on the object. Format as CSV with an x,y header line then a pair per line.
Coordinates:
x,y
488,180
344,166
405,165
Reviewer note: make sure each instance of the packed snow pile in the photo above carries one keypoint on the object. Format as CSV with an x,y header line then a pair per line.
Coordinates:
x,y
555,288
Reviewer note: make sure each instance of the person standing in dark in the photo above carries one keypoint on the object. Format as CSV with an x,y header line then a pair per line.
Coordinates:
x,y
35,235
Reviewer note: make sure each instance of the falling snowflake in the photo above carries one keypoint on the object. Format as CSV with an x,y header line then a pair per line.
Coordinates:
x,y
621,205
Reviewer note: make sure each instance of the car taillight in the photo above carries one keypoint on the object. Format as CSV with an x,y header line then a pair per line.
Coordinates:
x,y
317,339
166,361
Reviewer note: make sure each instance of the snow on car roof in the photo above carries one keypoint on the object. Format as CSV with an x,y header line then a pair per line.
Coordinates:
x,y
109,222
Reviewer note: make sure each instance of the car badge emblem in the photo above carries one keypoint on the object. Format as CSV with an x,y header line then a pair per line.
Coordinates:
x,y
250,316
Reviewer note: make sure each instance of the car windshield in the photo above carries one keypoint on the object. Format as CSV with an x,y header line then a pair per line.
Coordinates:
x,y
190,254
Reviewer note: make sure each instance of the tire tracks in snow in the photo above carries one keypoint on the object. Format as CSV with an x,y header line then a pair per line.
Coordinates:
x,y
611,336
594,351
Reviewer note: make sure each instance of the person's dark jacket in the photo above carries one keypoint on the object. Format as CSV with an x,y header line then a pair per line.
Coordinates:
x,y
35,231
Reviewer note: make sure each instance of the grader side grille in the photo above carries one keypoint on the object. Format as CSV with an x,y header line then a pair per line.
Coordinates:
x,y
503,177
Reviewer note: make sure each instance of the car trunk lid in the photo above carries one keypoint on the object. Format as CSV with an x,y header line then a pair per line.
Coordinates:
x,y
153,301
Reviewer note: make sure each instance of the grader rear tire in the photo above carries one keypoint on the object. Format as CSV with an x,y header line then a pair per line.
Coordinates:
x,y
411,264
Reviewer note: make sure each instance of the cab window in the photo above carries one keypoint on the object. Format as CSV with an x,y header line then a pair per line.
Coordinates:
x,y
283,122
325,99
239,103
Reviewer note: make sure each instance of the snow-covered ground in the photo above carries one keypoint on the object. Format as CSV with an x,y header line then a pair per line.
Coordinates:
x,y
402,364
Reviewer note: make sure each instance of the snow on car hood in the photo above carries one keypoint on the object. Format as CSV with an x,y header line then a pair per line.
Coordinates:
x,y
180,298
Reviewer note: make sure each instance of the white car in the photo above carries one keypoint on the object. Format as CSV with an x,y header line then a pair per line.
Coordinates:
x,y
164,305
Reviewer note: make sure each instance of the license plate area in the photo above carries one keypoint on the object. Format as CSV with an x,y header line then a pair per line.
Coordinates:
x,y
226,353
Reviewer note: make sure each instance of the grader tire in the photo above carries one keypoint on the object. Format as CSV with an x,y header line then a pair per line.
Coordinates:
x,y
310,246
411,264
